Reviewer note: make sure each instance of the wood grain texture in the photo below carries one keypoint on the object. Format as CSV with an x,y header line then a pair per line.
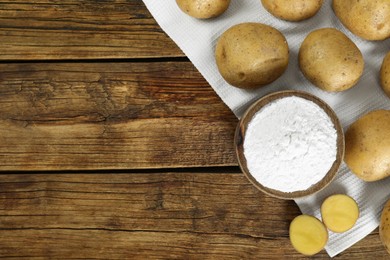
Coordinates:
x,y
121,111
111,116
202,215
86,29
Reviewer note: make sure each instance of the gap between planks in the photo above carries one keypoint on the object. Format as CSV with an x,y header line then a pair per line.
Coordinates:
x,y
161,59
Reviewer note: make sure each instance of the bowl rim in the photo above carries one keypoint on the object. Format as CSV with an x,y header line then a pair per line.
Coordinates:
x,y
239,138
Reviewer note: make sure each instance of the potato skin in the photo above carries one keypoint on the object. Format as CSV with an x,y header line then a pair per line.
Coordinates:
x,y
385,74
384,226
251,55
330,60
367,146
203,9
368,19
292,10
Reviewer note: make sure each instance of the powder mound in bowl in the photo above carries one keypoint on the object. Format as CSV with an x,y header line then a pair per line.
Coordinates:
x,y
290,144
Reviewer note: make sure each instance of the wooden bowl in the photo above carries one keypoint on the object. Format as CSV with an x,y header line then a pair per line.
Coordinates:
x,y
240,137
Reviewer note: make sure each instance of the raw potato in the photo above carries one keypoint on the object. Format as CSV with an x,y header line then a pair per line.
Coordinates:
x,y
339,212
203,9
308,235
292,10
367,146
385,74
330,60
384,227
251,55
368,19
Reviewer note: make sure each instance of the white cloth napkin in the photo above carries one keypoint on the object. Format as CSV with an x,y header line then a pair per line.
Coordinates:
x,y
197,39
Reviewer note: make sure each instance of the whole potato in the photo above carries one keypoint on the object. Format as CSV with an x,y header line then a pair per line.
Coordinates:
x,y
330,60
384,226
385,74
368,19
367,146
292,10
251,55
203,9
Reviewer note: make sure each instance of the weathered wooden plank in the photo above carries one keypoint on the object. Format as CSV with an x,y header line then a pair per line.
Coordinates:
x,y
73,29
111,116
203,215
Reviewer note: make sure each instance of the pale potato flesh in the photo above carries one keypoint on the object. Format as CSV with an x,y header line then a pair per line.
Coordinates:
x,y
308,235
339,212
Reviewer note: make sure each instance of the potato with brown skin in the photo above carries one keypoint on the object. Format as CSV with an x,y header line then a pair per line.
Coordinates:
x,y
385,74
368,19
292,10
384,226
203,9
330,60
367,146
251,55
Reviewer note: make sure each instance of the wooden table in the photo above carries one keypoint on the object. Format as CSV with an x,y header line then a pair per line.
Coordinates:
x,y
113,146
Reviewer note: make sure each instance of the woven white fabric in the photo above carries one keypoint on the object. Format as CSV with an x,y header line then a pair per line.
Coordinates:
x,y
197,39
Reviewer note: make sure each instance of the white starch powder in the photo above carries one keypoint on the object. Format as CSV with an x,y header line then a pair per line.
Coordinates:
x,y
290,144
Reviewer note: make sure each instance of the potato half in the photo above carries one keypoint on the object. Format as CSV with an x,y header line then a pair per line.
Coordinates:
x,y
203,9
330,60
308,235
368,19
367,146
339,212
251,55
385,74
292,10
